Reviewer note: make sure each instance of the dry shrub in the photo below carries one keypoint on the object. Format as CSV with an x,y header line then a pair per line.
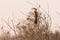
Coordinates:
x,y
28,30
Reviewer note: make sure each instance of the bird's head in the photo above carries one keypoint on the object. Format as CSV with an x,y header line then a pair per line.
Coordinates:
x,y
34,9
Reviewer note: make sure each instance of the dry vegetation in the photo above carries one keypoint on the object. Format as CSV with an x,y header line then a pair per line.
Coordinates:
x,y
28,30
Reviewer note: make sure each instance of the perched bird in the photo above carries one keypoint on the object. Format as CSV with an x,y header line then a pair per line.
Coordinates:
x,y
36,14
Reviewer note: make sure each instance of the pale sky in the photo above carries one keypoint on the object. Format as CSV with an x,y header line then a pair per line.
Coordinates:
x,y
10,8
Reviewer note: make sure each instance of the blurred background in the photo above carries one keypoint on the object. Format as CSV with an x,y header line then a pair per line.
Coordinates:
x,y
18,10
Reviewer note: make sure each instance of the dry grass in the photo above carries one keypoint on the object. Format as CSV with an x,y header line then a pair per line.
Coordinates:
x,y
28,30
